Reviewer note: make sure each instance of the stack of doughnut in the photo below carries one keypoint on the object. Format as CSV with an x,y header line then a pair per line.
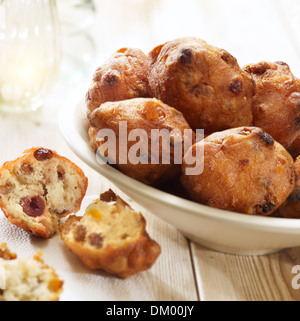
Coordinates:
x,y
250,117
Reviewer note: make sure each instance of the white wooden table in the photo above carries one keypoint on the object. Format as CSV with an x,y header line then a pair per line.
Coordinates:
x,y
252,31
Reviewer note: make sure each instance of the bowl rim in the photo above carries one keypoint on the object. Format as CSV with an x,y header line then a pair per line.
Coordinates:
x,y
82,149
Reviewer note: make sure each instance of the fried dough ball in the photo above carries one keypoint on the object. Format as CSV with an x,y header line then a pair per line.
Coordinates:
x,y
291,207
40,187
245,171
276,105
205,83
141,156
111,236
122,76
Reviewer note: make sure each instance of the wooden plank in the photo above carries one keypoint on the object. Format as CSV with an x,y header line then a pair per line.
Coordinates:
x,y
223,277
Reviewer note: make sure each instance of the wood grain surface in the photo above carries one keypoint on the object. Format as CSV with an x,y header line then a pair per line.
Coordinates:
x,y
222,277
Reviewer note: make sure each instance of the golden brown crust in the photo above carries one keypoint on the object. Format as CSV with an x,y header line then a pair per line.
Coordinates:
x,y
243,169
276,105
205,83
145,114
44,223
122,76
123,260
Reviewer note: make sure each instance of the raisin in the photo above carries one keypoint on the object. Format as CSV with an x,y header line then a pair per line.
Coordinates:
x,y
60,172
43,154
264,208
80,233
6,189
33,206
96,240
266,138
268,207
228,58
185,56
108,196
26,169
236,87
60,175
111,79
258,69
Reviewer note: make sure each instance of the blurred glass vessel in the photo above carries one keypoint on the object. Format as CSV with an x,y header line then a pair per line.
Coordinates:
x,y
78,47
29,52
76,14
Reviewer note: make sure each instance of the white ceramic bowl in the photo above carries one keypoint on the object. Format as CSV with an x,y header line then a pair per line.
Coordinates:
x,y
217,229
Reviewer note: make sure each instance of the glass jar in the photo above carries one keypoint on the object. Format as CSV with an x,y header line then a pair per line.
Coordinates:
x,y
29,52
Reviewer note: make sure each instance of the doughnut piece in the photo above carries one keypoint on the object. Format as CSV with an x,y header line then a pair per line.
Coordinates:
x,y
205,83
122,76
276,105
28,279
245,170
38,188
138,151
111,236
